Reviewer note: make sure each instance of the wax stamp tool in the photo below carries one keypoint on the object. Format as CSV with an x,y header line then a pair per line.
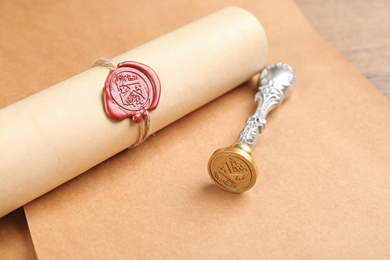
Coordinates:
x,y
233,168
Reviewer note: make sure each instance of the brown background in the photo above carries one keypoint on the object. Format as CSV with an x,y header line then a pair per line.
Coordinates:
x,y
12,225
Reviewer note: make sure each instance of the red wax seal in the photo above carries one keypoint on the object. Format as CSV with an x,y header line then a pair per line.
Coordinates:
x,y
130,90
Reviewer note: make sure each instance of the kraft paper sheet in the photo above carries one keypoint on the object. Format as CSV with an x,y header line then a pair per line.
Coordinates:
x,y
323,188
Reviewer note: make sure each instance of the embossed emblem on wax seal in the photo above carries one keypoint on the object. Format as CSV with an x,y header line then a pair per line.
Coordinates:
x,y
131,90
233,168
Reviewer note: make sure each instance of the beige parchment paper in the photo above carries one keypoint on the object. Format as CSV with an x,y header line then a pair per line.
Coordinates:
x,y
57,134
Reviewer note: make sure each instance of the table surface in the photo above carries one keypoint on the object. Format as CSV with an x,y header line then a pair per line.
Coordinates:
x,y
359,30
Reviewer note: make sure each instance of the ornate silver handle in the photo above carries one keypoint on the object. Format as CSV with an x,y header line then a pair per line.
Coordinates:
x,y
275,84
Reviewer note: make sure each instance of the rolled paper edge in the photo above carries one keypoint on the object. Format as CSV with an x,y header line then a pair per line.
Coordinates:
x,y
68,133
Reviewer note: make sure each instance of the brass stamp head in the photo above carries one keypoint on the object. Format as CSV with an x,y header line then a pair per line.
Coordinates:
x,y
233,168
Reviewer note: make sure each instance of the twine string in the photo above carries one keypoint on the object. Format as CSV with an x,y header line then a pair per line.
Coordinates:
x,y
104,63
144,128
144,125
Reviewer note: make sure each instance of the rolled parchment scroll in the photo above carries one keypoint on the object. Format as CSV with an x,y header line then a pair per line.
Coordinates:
x,y
59,133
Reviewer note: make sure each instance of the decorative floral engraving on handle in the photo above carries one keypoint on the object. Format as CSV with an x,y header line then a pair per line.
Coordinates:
x,y
275,84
